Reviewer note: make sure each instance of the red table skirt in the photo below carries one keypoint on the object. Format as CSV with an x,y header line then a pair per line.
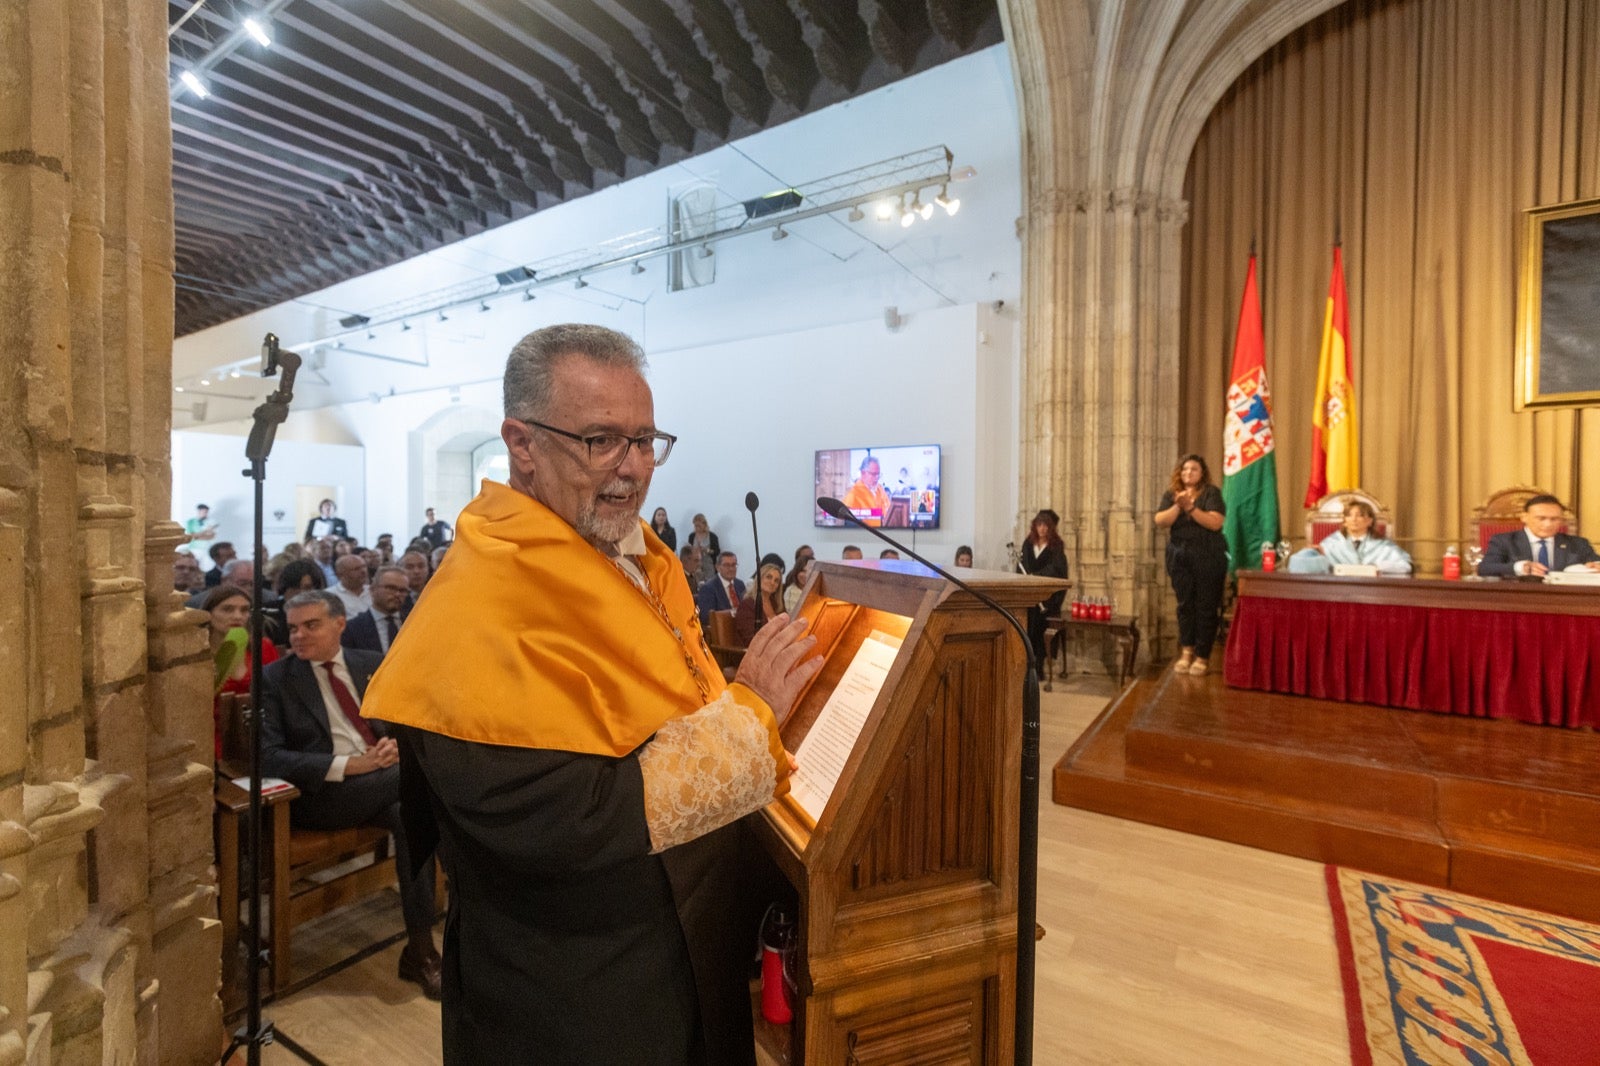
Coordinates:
x,y
1539,668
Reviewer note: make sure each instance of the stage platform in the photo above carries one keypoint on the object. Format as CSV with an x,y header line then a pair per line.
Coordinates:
x,y
1503,810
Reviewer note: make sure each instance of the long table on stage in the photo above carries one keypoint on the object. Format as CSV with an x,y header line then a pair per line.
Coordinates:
x,y
1489,649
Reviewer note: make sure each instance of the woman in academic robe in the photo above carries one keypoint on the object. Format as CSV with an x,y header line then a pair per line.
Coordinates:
x,y
1355,544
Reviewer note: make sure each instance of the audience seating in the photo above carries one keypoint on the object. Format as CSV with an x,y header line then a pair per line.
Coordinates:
x,y
301,869
1502,513
725,645
1328,515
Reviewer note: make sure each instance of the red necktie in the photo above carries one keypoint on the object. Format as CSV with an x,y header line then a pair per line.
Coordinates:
x,y
348,704
733,595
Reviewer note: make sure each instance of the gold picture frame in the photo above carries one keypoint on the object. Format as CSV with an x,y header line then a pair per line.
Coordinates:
x,y
1558,328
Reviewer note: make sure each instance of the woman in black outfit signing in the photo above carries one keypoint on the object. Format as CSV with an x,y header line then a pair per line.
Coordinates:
x,y
1197,558
1044,555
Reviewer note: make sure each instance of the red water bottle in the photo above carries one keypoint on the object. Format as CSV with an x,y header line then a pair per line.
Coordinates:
x,y
1452,564
1269,557
777,940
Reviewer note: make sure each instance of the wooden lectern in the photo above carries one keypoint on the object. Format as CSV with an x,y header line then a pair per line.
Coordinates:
x,y
905,887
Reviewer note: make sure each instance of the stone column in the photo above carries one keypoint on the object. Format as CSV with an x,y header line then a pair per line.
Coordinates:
x,y
107,898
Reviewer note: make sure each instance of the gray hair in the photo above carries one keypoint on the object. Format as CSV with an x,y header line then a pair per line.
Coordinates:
x,y
313,597
235,563
388,570
530,370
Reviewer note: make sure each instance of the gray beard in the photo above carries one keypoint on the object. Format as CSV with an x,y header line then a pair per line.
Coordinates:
x,y
606,531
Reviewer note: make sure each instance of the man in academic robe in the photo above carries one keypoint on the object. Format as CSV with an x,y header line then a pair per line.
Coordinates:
x,y
867,499
1539,547
315,736
577,753
376,629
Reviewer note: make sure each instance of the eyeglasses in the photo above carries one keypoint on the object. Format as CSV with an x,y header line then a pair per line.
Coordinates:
x,y
607,450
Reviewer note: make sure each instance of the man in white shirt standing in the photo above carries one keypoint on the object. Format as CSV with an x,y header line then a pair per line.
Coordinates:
x,y
346,767
1539,547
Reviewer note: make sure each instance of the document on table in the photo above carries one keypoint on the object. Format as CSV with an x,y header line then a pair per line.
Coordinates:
x,y
832,737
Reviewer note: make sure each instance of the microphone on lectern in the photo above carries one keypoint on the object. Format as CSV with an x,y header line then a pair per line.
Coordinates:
x,y
1028,812
837,509
751,502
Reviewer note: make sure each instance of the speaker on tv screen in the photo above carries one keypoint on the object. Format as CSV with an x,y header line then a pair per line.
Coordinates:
x,y
893,488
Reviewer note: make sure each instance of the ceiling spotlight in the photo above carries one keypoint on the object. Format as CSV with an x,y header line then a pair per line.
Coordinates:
x,y
907,218
779,234
338,344
483,305
405,327
856,214
527,296
233,373
884,211
443,317
950,204
580,284
177,388
371,335
195,85
637,268
926,210
705,251
259,35
205,381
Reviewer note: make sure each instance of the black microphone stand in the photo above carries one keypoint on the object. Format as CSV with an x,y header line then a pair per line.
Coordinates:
x,y
1028,803
751,502
256,1032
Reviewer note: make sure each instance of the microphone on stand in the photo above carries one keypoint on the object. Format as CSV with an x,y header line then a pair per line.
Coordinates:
x,y
1028,806
751,502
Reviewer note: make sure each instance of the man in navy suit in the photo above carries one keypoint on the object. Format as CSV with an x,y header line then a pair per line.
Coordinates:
x,y
1538,548
722,591
375,629
346,767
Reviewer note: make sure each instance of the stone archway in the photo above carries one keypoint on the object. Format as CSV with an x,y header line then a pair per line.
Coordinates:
x,y
1112,97
441,458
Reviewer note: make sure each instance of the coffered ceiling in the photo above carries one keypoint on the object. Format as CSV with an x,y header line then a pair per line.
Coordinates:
x,y
369,131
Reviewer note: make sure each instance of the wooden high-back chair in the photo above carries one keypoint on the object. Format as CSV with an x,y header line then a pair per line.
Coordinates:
x,y
1502,513
1328,515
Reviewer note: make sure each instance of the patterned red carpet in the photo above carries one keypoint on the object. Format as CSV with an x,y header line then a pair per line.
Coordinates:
x,y
1433,978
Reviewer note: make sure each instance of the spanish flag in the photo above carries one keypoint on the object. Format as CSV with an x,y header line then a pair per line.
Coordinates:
x,y
1335,442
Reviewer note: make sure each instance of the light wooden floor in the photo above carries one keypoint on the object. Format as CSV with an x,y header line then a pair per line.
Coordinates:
x,y
1161,949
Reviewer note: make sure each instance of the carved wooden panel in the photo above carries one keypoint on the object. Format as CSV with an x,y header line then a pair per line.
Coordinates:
x,y
936,818
947,1031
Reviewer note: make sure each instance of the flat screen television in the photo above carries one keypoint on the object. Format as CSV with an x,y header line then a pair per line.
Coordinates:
x,y
893,488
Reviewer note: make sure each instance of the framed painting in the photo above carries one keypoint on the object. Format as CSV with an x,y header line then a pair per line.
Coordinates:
x,y
1558,311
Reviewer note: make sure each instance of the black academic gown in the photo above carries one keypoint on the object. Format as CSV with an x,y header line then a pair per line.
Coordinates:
x,y
566,942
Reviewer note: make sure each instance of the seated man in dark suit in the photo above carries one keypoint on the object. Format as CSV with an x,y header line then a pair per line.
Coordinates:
x,y
346,768
722,591
376,628
1538,548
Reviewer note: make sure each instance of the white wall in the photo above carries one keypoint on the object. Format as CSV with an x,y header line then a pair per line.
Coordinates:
x,y
208,468
946,376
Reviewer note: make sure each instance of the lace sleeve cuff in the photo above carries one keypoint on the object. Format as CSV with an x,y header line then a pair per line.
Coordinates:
x,y
711,767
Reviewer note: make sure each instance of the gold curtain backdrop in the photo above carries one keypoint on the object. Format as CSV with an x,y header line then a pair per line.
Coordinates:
x,y
1418,131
